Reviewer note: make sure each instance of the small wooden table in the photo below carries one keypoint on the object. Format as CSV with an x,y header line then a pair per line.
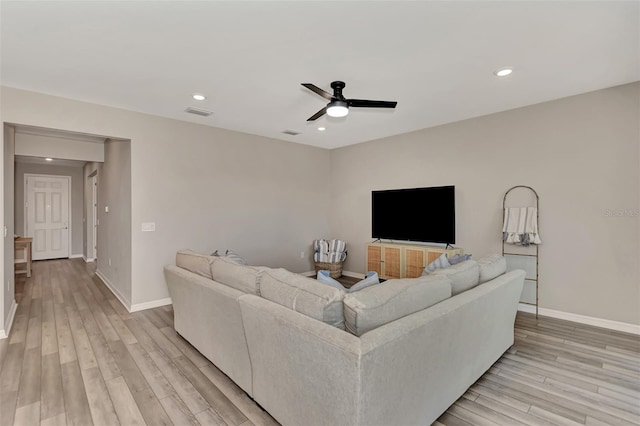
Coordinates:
x,y
23,245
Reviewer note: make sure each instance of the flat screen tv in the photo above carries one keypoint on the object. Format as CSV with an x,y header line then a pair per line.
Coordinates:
x,y
418,214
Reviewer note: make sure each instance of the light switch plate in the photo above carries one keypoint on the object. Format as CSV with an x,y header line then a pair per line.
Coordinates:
x,y
148,226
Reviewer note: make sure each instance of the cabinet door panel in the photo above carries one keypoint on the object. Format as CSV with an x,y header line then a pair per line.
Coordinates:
x,y
374,259
414,262
433,255
392,262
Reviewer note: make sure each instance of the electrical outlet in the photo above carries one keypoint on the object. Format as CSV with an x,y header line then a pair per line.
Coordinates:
x,y
301,255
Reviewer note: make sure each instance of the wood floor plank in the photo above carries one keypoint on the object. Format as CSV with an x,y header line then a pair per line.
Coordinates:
x,y
100,405
108,365
150,371
209,417
8,403
184,347
177,411
522,417
48,329
30,378
151,409
238,397
28,415
51,396
59,420
121,328
216,399
128,367
183,387
66,348
75,396
126,408
12,368
142,336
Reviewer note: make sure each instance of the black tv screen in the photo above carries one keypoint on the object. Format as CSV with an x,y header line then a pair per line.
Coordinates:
x,y
418,214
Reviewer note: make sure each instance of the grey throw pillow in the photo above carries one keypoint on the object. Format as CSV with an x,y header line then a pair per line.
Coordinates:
x,y
458,258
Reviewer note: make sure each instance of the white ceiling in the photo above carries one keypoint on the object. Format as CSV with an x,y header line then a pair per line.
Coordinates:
x,y
435,58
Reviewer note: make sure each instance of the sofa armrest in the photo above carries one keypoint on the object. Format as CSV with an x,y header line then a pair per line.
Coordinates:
x,y
426,360
207,314
304,371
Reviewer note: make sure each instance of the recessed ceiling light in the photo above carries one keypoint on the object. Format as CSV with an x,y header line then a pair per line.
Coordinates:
x,y
199,97
48,159
322,129
503,72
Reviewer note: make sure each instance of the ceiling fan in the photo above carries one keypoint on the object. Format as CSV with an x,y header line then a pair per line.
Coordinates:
x,y
338,105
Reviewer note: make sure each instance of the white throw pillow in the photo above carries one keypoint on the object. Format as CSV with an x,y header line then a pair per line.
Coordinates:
x,y
439,263
235,257
324,277
370,279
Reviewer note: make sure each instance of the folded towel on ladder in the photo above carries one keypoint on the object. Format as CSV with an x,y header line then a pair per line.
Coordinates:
x,y
521,226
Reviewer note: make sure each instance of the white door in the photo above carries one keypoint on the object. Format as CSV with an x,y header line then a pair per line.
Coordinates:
x,y
47,212
94,207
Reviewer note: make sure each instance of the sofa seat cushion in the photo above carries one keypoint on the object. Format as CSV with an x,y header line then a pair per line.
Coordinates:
x,y
195,262
464,275
304,295
380,304
241,277
491,267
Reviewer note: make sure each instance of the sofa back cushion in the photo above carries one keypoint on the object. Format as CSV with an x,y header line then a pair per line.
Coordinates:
x,y
195,262
380,304
241,277
464,275
491,267
304,295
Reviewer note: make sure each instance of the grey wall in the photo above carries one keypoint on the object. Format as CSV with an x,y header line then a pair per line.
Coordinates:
x,y
580,154
77,183
8,247
205,188
114,226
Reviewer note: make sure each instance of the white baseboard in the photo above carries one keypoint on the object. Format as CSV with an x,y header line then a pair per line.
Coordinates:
x,y
582,319
114,290
88,259
4,333
148,305
76,256
308,273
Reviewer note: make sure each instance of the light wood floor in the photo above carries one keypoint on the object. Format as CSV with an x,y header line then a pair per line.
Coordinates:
x,y
76,356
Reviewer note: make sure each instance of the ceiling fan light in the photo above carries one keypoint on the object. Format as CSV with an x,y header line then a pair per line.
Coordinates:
x,y
337,109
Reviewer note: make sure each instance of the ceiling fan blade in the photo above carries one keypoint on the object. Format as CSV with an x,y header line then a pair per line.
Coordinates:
x,y
363,103
318,90
318,114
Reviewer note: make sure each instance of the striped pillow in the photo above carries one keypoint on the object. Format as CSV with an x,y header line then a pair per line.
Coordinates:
x,y
321,246
338,246
439,263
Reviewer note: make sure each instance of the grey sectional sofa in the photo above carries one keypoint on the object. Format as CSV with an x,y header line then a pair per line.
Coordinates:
x,y
398,353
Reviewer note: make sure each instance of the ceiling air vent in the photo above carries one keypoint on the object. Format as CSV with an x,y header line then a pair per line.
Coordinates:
x,y
198,111
291,132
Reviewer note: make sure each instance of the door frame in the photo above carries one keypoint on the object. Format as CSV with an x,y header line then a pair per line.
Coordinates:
x,y
94,214
25,198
